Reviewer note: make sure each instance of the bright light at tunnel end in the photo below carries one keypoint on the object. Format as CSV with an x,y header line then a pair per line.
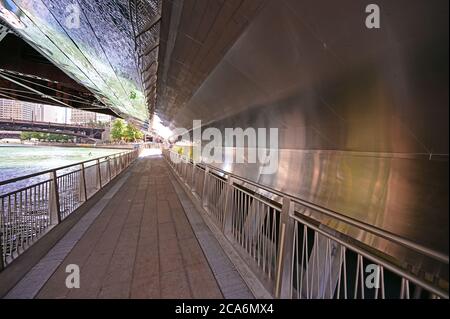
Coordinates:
x,y
150,152
161,129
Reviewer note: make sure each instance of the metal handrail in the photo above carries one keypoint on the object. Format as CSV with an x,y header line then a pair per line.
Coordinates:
x,y
29,212
16,179
251,229
391,267
348,220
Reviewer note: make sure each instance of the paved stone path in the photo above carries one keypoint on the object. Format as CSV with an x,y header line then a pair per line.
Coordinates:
x,y
140,246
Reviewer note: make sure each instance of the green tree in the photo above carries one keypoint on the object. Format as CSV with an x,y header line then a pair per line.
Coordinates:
x,y
118,130
139,135
52,137
26,135
38,136
132,133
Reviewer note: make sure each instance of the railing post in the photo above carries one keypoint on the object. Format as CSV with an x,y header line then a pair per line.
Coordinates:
x,y
184,169
183,165
283,279
2,230
177,166
83,191
2,262
109,168
98,175
205,188
186,177
53,205
228,218
193,177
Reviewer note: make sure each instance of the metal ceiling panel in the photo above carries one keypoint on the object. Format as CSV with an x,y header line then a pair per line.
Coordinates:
x,y
99,54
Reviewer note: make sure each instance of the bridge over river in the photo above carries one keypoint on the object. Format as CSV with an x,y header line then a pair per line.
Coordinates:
x,y
88,132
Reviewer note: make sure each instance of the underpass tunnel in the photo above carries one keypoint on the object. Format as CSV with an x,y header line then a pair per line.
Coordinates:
x,y
355,119
362,114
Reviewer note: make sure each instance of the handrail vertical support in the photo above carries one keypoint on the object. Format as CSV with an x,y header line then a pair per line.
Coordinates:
x,y
98,175
193,178
183,165
53,205
109,168
228,219
2,262
2,230
205,180
283,279
83,190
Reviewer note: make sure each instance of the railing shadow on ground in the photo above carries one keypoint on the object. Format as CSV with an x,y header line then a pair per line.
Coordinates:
x,y
295,255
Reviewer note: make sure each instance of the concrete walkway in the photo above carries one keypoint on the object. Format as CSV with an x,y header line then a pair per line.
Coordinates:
x,y
140,245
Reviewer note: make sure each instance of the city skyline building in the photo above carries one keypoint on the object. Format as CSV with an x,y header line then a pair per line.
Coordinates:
x,y
18,110
82,117
26,111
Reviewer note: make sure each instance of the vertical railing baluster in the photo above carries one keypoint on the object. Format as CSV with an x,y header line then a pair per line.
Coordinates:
x,y
205,188
228,211
283,279
193,183
83,196
109,168
54,204
98,174
2,232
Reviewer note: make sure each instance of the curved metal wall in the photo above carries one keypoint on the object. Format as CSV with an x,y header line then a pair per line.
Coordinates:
x,y
362,114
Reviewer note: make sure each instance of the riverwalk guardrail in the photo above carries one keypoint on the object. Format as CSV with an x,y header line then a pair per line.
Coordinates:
x,y
37,202
295,255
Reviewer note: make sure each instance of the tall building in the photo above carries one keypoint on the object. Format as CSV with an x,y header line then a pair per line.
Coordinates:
x,y
26,111
103,118
17,110
82,117
47,113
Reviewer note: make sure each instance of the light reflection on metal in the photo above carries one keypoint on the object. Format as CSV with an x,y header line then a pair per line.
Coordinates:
x,y
10,13
297,256
100,54
146,25
363,122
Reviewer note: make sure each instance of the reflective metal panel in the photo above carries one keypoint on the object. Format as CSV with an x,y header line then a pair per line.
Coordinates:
x,y
362,113
92,41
